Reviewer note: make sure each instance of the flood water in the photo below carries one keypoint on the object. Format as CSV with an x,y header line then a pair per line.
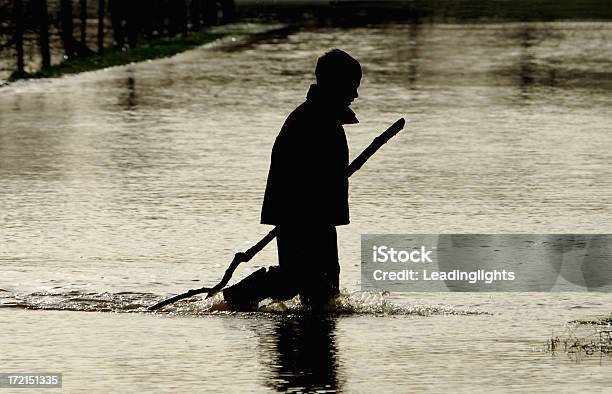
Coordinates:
x,y
123,186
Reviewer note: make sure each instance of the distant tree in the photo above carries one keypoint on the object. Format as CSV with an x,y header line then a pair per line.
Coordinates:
x,y
101,26
210,10
178,17
228,10
195,13
158,16
182,16
19,27
67,27
147,18
133,10
117,13
41,14
83,9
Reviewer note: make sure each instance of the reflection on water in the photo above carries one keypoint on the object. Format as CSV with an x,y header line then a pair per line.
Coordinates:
x,y
527,60
302,354
129,101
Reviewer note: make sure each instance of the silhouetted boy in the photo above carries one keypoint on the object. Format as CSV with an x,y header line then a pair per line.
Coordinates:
x,y
307,192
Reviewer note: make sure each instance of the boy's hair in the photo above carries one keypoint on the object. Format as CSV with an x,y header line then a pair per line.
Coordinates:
x,y
337,66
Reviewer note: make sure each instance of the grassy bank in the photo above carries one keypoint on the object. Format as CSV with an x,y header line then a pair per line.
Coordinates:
x,y
158,48
605,321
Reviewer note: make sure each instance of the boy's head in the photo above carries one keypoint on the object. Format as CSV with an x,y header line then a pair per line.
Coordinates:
x,y
338,75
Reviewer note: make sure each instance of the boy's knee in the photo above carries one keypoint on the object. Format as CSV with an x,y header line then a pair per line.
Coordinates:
x,y
273,283
248,292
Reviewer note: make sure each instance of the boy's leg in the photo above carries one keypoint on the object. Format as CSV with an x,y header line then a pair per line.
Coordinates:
x,y
247,293
323,268
261,284
309,255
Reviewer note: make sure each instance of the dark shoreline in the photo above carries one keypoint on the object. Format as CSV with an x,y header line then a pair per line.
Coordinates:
x,y
159,48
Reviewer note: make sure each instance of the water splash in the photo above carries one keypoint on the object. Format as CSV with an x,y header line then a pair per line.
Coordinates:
x,y
347,303
369,303
77,301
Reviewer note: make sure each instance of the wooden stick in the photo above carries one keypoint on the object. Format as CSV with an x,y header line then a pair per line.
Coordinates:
x,y
253,250
375,145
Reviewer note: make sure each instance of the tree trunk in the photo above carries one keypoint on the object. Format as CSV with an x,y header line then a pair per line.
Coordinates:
x,y
159,14
147,18
173,27
67,27
196,15
132,21
210,12
182,16
228,10
100,26
83,9
42,15
18,15
116,10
